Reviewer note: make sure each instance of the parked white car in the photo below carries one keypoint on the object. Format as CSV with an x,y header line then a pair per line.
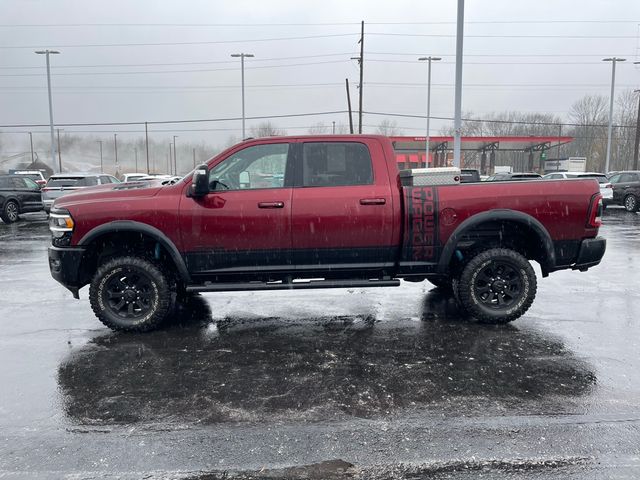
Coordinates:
x,y
606,189
132,177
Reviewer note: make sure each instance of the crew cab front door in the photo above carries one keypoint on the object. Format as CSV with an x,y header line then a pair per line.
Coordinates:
x,y
342,217
244,224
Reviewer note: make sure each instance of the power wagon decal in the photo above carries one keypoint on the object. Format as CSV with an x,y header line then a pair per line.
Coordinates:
x,y
421,225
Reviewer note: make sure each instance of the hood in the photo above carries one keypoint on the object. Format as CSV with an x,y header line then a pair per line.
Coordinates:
x,y
111,192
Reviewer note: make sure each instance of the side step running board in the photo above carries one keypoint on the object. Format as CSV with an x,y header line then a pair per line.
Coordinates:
x,y
232,287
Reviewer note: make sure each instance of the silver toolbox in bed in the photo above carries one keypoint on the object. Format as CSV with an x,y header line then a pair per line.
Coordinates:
x,y
430,176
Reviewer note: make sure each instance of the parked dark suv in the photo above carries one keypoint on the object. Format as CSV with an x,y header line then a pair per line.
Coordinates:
x,y
18,195
626,190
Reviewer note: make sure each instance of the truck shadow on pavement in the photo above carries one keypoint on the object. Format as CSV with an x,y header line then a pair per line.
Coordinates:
x,y
320,369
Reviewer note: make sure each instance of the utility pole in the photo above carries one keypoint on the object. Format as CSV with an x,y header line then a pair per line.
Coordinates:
x,y
146,143
333,128
360,60
175,158
457,122
636,145
47,53
59,156
194,158
242,57
31,142
101,168
169,165
429,59
135,151
613,61
349,105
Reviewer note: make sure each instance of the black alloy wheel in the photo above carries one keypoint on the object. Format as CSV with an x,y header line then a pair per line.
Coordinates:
x,y
631,203
496,286
10,212
130,294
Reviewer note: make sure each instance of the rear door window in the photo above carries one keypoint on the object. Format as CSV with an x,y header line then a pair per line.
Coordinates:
x,y
335,164
17,182
628,177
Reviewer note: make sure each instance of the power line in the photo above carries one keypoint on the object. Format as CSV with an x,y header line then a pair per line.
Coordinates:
x,y
166,44
107,65
438,35
450,54
485,120
160,122
307,24
336,112
172,71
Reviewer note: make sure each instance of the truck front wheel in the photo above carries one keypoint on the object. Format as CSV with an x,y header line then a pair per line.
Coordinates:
x,y
130,294
496,286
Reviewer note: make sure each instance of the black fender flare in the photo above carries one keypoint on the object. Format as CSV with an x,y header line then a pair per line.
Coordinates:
x,y
139,227
500,215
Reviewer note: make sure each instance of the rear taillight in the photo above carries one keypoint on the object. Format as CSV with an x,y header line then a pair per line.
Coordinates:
x,y
595,211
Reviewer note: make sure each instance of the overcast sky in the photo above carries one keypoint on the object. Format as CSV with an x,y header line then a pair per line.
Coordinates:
x,y
535,56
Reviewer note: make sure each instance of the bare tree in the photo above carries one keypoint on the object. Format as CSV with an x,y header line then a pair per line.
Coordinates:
x,y
624,136
318,129
266,129
590,134
388,127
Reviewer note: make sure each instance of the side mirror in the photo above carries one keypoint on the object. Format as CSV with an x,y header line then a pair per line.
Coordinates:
x,y
200,182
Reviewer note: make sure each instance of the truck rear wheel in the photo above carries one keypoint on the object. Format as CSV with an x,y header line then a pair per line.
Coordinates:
x,y
496,286
130,294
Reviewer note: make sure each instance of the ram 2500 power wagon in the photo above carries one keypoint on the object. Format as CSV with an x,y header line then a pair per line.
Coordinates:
x,y
317,212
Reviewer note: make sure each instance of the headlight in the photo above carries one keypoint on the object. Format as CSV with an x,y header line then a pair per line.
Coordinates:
x,y
60,224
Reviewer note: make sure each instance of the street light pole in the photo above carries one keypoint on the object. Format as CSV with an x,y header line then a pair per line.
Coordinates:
x,y
135,151
115,148
101,169
47,53
242,56
613,61
636,145
59,154
457,120
429,60
31,142
175,159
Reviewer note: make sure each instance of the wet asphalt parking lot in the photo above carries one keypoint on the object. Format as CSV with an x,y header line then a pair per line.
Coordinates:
x,y
379,383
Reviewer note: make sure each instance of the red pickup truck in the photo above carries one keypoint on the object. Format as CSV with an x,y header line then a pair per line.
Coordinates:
x,y
317,212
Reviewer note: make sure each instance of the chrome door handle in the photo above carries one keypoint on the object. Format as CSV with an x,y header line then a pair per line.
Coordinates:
x,y
271,205
372,201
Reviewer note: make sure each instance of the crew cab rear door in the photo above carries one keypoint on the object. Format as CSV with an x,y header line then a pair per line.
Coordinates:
x,y
342,214
244,224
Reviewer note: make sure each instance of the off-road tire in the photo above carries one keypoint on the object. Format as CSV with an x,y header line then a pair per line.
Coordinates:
x,y
139,278
481,282
10,212
631,203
